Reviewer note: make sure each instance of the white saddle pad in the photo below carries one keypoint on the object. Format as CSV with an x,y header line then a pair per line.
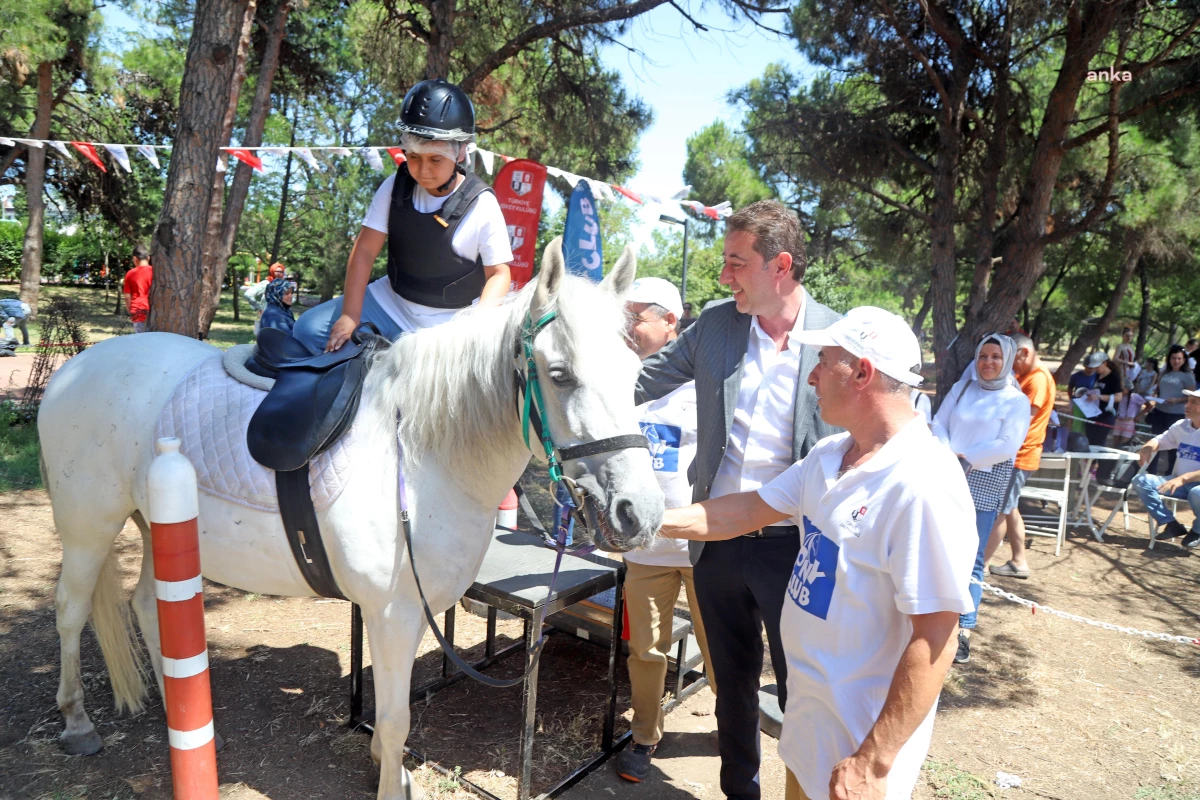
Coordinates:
x,y
209,412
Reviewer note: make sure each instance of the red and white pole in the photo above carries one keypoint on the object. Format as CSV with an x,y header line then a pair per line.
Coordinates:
x,y
174,506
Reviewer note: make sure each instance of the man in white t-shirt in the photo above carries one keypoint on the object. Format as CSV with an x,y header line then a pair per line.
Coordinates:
x,y
872,608
447,242
1184,482
653,575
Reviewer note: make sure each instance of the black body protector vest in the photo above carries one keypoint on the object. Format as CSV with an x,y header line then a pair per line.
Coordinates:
x,y
422,265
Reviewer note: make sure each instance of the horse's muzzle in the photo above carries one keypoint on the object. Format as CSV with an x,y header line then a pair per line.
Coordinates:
x,y
624,521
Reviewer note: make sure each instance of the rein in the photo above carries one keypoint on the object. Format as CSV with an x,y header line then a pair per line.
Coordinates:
x,y
530,405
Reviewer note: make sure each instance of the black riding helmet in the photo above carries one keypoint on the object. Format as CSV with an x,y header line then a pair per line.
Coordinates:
x,y
437,109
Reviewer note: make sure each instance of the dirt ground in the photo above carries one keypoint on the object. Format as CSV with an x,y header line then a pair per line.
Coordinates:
x,y
1074,711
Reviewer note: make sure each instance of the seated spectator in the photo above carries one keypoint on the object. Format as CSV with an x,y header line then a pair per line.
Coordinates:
x,y
984,421
1184,483
15,314
278,312
1169,406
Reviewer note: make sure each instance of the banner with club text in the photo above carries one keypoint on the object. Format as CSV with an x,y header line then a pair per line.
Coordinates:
x,y
582,248
519,185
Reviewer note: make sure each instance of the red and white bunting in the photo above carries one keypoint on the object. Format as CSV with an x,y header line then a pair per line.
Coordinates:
x,y
370,153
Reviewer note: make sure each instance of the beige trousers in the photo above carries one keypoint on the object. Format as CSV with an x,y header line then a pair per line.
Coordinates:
x,y
650,595
791,789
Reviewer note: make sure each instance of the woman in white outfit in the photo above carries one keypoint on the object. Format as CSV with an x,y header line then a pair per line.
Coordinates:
x,y
984,421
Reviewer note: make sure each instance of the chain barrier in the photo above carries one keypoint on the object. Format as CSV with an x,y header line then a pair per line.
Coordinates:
x,y
1035,608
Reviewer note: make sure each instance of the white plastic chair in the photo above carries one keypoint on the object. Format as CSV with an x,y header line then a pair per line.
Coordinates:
x,y
1174,501
1048,488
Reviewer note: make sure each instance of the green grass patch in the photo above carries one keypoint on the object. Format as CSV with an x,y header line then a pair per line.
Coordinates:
x,y
1168,791
948,780
19,451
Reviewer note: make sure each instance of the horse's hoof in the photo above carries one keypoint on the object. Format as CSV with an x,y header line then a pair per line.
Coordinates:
x,y
81,744
218,741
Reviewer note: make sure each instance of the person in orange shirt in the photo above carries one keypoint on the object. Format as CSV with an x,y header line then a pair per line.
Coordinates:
x,y
1038,385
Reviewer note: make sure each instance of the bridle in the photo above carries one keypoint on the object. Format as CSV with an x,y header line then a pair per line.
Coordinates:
x,y
530,407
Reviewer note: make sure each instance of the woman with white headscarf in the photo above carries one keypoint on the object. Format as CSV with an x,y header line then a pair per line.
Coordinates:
x,y
447,242
984,420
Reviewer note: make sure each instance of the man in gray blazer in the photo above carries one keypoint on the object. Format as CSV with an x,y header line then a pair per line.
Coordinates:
x,y
756,416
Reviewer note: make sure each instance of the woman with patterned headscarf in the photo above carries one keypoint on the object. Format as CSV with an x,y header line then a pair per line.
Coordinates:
x,y
278,313
984,421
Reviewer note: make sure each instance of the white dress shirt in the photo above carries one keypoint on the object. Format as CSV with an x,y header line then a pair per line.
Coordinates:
x,y
760,441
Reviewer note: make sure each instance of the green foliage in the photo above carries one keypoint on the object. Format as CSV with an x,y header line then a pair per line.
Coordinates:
x,y
19,450
718,167
12,239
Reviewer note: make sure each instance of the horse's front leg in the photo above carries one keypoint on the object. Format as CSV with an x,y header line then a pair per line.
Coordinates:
x,y
393,635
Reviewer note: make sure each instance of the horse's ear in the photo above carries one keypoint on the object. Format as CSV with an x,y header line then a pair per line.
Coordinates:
x,y
550,277
620,277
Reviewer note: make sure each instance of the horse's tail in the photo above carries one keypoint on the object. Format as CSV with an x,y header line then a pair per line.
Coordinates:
x,y
114,628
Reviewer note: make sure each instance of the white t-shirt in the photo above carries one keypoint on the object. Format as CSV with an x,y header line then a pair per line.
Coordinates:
x,y
1184,437
670,424
892,538
482,233
760,439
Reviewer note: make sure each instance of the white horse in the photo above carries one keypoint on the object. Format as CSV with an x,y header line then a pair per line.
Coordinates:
x,y
462,451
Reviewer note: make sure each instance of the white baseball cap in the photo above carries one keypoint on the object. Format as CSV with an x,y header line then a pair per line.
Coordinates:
x,y
657,291
881,337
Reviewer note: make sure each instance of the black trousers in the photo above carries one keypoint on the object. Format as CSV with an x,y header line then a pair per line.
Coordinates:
x,y
1159,422
740,588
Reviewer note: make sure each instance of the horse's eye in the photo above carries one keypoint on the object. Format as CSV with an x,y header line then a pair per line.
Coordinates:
x,y
561,376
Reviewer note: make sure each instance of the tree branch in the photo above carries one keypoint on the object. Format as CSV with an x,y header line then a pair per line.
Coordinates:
x,y
551,26
1130,113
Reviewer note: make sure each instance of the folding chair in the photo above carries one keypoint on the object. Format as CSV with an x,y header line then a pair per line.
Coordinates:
x,y
1048,488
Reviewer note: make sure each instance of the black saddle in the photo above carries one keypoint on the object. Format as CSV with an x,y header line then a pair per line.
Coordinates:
x,y
314,400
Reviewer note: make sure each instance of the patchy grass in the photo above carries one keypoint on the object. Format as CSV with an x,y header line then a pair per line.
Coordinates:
x,y
19,451
949,780
1167,792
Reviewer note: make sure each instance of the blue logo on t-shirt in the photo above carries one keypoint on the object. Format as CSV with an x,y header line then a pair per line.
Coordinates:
x,y
664,445
815,573
1190,452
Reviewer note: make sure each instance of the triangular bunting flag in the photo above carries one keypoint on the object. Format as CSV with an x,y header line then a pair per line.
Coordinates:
x,y
120,155
306,154
340,151
397,155
7,142
571,179
148,153
488,159
221,164
371,154
31,142
694,205
682,193
272,151
89,152
506,159
635,198
62,148
246,157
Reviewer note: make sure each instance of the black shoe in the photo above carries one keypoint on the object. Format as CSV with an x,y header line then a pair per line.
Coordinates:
x,y
1172,529
633,763
1191,540
964,649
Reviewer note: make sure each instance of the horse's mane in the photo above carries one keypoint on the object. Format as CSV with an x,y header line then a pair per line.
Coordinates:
x,y
452,385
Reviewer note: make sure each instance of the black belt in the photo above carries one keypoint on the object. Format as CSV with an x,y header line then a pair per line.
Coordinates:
x,y
774,532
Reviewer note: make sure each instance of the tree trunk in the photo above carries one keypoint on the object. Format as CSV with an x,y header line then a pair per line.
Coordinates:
x,y
283,196
1090,335
441,38
178,243
235,284
214,260
944,284
235,204
35,181
1087,27
1144,320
